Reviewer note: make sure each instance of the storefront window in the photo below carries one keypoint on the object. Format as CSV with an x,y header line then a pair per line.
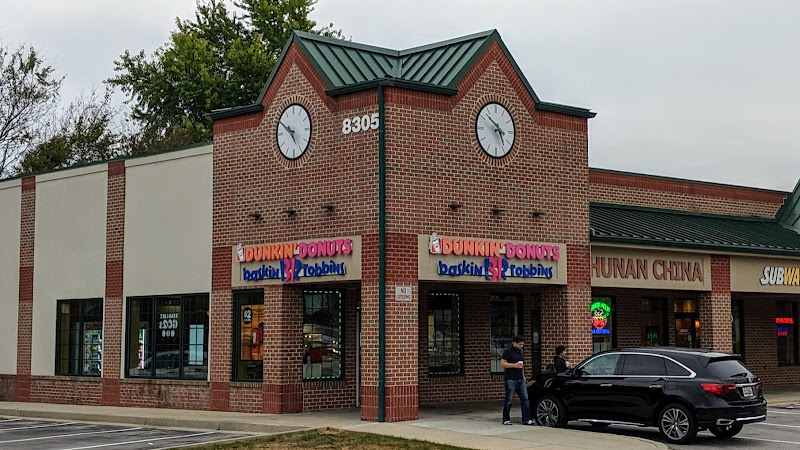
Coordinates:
x,y
168,337
504,326
785,320
249,320
444,334
79,337
653,317
602,316
322,335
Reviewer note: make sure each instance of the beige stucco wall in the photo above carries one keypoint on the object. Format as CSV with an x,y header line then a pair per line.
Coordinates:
x,y
168,223
10,197
69,250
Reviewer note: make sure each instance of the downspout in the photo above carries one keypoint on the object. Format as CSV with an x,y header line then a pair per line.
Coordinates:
x,y
381,256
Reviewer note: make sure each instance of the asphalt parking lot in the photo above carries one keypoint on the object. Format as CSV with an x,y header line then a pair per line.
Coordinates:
x,y
31,434
781,430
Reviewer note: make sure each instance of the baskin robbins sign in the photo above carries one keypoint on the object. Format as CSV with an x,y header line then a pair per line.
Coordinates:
x,y
303,261
443,258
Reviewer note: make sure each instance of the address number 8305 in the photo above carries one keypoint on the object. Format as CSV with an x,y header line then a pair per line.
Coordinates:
x,y
363,123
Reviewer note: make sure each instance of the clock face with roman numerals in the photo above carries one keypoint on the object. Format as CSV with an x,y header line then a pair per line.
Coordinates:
x,y
494,128
293,131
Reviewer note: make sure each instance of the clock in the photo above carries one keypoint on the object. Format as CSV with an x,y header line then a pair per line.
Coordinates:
x,y
293,131
494,128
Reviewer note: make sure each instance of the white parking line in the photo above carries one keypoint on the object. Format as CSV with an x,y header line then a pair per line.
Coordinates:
x,y
10,420
777,425
69,435
38,426
143,440
768,440
783,412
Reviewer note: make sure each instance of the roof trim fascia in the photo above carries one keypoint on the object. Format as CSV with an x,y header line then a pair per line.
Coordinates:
x,y
392,82
689,245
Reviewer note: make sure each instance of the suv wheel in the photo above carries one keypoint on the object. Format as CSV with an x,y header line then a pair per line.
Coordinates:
x,y
677,424
726,431
550,412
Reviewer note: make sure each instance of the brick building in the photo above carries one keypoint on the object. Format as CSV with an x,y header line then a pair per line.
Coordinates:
x,y
372,232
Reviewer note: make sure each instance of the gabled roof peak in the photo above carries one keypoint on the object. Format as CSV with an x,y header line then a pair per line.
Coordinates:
x,y
346,67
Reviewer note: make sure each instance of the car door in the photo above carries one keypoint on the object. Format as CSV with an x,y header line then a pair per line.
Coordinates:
x,y
588,393
640,387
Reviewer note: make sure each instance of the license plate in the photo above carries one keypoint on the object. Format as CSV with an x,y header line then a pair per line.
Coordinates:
x,y
747,391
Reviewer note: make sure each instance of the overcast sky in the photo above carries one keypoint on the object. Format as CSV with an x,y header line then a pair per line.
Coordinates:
x,y
696,89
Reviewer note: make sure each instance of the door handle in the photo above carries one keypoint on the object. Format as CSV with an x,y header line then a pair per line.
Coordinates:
x,y
606,385
655,386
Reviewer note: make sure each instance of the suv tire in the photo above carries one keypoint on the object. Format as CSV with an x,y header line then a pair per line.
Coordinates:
x,y
677,424
550,412
727,431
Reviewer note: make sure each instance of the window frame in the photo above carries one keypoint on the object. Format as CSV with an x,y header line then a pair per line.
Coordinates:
x,y
81,330
342,326
237,333
152,335
504,297
793,337
459,297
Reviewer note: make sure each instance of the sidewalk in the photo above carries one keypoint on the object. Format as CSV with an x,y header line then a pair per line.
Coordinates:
x,y
470,425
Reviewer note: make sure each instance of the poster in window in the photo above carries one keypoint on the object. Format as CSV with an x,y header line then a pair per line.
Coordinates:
x,y
252,318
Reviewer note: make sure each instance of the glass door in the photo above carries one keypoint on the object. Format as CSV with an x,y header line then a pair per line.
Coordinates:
x,y
687,324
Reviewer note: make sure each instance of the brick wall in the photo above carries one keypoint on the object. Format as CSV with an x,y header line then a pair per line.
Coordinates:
x,y
25,323
8,388
165,394
658,192
112,305
67,390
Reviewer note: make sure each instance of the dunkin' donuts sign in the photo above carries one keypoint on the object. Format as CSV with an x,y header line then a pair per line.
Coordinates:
x,y
297,261
467,259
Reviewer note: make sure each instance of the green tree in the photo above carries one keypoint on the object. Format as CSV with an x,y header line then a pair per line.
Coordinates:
x,y
84,132
29,92
220,59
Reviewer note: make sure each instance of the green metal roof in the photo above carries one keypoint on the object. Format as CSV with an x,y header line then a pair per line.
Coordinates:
x,y
789,213
347,67
670,228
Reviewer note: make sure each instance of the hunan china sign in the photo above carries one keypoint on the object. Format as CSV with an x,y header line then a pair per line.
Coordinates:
x,y
612,267
487,260
312,260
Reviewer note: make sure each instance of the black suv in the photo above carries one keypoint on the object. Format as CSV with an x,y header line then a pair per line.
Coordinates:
x,y
681,391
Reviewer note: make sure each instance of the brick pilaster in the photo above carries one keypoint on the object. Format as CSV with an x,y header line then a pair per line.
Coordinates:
x,y
715,308
112,306
220,345
25,321
283,356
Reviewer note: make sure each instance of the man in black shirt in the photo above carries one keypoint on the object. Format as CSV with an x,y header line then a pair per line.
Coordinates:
x,y
515,381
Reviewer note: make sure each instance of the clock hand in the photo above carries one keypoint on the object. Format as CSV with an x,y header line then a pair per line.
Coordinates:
x,y
291,132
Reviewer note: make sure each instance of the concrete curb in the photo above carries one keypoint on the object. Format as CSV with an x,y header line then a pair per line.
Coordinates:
x,y
159,422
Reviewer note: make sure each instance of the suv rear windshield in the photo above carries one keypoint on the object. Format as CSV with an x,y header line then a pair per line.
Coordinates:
x,y
728,368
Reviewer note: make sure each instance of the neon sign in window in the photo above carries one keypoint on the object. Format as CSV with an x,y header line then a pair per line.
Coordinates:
x,y
601,311
783,331
784,320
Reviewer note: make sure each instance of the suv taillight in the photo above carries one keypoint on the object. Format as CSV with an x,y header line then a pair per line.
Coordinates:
x,y
718,389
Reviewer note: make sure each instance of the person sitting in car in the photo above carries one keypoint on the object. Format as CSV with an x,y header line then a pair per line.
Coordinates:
x,y
560,363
